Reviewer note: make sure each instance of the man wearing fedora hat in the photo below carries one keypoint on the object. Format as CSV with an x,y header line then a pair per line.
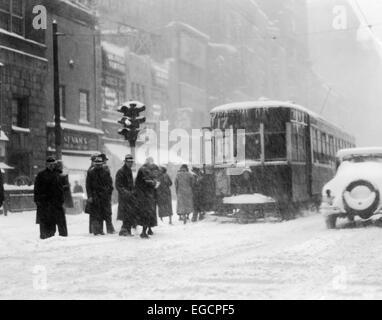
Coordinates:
x,y
88,206
124,183
99,187
108,221
49,198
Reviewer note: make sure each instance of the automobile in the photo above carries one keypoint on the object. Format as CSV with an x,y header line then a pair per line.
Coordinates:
x,y
355,190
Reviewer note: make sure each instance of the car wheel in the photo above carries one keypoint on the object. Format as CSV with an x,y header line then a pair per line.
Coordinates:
x,y
351,206
331,221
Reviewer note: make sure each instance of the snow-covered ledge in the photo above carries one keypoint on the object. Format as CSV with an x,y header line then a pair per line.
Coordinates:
x,y
8,187
19,129
75,127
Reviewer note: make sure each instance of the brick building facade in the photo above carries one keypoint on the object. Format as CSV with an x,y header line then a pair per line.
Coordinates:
x,y
80,68
23,91
27,107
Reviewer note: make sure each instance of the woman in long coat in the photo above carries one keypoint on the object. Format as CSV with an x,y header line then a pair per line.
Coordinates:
x,y
164,195
145,188
184,183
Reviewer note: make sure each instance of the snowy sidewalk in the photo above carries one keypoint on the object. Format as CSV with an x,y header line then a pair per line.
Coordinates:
x,y
204,260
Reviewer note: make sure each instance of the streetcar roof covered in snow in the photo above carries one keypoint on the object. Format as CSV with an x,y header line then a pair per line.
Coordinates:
x,y
359,152
268,104
249,105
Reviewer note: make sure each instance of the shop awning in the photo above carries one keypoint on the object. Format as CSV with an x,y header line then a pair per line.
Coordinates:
x,y
4,166
3,136
76,163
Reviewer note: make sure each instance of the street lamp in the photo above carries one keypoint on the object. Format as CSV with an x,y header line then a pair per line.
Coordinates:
x,y
56,92
1,93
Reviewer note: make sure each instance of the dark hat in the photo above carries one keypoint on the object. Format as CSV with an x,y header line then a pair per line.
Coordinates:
x,y
129,157
50,160
104,157
99,160
184,167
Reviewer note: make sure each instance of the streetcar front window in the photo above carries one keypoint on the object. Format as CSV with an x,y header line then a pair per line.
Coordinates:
x,y
253,146
275,146
261,125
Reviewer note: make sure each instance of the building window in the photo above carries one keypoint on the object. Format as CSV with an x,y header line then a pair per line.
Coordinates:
x,y
84,106
20,112
138,92
62,102
12,16
113,92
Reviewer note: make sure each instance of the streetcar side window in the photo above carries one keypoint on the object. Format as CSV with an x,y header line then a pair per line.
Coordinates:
x,y
331,148
298,142
316,145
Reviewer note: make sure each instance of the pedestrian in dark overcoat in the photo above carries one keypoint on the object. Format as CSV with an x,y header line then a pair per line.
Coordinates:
x,y
108,221
184,183
197,192
88,205
49,199
245,183
146,184
124,183
99,189
164,195
77,188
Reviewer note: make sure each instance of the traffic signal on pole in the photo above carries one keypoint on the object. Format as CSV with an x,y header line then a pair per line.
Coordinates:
x,y
131,120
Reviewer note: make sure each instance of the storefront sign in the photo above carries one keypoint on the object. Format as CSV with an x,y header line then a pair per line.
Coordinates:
x,y
76,141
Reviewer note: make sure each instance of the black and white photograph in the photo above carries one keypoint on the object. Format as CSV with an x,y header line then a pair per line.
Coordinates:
x,y
190,150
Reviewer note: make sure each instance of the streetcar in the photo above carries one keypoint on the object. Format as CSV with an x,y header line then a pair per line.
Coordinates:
x,y
285,150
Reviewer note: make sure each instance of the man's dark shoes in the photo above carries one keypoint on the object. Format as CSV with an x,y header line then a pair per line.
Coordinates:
x,y
150,232
144,236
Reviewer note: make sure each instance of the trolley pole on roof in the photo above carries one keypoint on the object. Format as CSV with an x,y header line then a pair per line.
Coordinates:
x,y
326,101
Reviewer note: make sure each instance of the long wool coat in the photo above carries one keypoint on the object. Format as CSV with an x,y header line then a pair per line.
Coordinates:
x,y
124,183
99,187
49,198
184,183
145,184
164,196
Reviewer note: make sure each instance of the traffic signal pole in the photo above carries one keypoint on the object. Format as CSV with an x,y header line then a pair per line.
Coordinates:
x,y
133,145
131,122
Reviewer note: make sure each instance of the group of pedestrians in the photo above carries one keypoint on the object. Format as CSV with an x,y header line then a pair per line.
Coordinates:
x,y
139,201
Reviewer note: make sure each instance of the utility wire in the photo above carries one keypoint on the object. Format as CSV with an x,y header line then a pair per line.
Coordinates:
x,y
263,38
369,26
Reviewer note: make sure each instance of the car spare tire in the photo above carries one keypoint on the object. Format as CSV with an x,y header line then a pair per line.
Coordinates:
x,y
364,207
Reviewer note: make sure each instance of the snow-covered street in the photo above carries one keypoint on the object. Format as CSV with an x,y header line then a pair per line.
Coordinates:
x,y
298,259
